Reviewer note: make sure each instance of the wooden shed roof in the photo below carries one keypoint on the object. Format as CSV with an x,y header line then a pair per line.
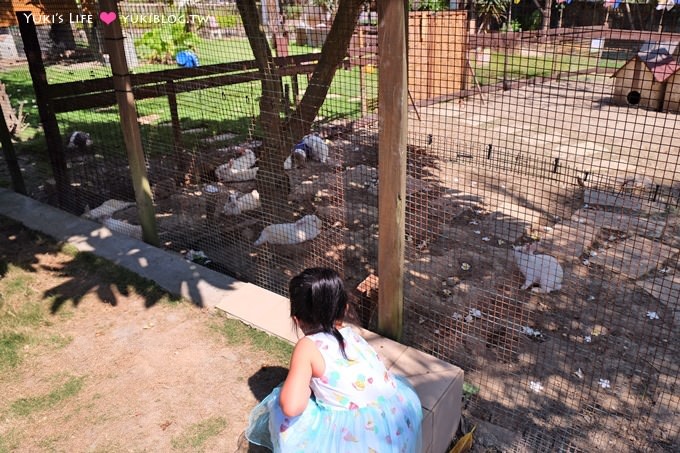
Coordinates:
x,y
659,58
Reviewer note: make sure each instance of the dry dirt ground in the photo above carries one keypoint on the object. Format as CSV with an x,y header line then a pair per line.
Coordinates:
x,y
144,373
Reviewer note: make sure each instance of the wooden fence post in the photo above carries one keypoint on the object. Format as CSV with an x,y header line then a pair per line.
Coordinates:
x,y
122,85
48,119
174,115
10,156
392,130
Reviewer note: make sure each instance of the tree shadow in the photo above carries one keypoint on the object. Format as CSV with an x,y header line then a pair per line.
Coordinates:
x,y
13,240
98,275
265,380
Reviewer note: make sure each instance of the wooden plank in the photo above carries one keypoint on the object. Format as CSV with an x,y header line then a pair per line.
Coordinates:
x,y
113,42
48,118
10,156
392,140
288,65
87,101
174,115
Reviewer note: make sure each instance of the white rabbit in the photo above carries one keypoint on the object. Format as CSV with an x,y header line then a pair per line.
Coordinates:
x,y
226,174
317,149
543,270
305,229
245,161
310,147
238,204
119,226
107,209
297,158
238,169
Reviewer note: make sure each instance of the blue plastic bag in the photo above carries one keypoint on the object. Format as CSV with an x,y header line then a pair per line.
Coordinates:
x,y
187,59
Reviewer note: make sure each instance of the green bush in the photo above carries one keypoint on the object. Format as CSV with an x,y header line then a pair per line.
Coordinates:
x,y
229,21
430,5
160,45
292,12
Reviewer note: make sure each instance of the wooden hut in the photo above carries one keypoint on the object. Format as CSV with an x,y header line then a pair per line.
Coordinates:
x,y
649,79
672,97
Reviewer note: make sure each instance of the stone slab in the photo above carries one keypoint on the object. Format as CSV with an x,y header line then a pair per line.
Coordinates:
x,y
666,289
634,257
620,200
568,239
619,222
611,200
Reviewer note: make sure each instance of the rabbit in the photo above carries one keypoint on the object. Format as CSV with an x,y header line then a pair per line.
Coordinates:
x,y
122,227
238,169
305,229
543,270
311,147
317,149
245,161
238,204
226,174
80,141
106,209
297,158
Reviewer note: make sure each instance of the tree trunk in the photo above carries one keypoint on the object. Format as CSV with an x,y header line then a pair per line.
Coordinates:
x,y
546,11
334,50
272,182
280,135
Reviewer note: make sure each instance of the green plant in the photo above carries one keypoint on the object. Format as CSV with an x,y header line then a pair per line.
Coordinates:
x,y
199,433
429,5
229,21
328,5
489,11
27,406
535,21
292,12
514,25
160,45
236,332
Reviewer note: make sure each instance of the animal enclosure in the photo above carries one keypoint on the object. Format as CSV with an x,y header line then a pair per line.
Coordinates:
x,y
541,216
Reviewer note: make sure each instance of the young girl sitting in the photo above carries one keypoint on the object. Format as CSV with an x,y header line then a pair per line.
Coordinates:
x,y
338,396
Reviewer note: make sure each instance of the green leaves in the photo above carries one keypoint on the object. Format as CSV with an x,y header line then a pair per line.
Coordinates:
x,y
491,10
161,44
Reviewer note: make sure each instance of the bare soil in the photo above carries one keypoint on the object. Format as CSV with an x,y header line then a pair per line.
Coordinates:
x,y
155,376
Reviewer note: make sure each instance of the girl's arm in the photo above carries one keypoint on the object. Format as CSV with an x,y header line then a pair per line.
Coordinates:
x,y
296,392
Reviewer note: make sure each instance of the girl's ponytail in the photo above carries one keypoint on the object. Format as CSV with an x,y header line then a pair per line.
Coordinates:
x,y
338,336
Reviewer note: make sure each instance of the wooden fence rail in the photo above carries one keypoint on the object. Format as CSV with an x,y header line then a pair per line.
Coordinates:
x,y
71,96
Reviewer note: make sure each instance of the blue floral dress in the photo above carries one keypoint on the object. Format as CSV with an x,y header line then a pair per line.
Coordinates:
x,y
357,406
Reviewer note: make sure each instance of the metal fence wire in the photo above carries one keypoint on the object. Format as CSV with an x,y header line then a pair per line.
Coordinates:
x,y
542,190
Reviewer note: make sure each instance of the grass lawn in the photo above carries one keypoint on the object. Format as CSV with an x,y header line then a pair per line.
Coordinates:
x,y
231,108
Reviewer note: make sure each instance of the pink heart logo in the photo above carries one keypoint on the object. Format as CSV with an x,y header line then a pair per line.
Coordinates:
x,y
107,16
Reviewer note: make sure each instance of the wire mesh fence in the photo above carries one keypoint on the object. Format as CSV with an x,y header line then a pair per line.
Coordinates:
x,y
541,191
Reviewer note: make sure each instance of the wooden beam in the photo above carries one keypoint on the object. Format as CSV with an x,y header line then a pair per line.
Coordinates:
x,y
113,43
174,115
10,157
392,131
74,96
48,118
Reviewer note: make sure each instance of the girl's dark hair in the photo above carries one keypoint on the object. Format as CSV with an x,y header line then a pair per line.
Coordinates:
x,y
318,300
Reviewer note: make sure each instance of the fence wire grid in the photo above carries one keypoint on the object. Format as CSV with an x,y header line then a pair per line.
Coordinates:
x,y
542,221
